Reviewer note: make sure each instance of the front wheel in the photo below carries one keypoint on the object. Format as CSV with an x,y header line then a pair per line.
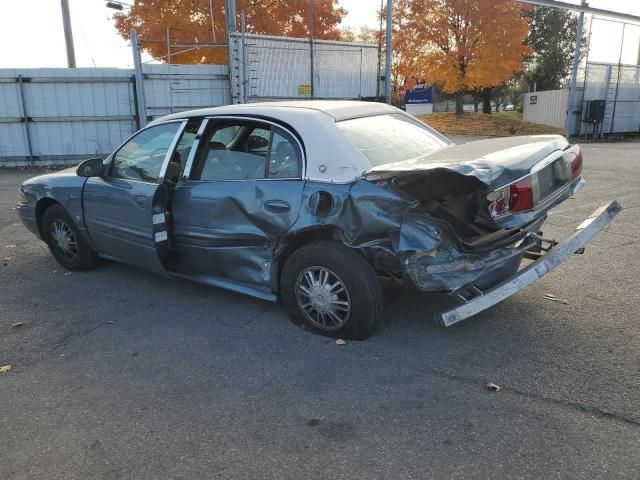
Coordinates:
x,y
332,290
64,241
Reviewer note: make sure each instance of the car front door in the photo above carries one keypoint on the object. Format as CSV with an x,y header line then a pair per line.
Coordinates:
x,y
124,210
242,193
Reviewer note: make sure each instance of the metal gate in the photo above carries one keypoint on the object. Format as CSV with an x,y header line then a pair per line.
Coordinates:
x,y
619,86
267,68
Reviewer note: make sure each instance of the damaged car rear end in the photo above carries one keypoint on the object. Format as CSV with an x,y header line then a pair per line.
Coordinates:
x,y
473,211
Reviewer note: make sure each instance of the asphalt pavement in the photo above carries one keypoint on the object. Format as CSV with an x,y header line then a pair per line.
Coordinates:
x,y
122,374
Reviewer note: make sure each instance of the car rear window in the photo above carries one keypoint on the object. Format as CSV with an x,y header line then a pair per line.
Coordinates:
x,y
390,138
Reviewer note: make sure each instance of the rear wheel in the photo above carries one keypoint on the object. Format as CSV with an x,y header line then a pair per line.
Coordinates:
x,y
64,241
332,290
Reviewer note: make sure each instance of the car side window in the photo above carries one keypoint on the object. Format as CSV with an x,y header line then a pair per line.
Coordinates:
x,y
284,160
246,151
142,156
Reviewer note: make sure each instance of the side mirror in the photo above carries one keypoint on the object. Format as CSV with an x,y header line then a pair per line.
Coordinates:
x,y
92,167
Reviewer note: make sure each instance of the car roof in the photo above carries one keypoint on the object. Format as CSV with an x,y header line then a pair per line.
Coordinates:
x,y
330,155
337,109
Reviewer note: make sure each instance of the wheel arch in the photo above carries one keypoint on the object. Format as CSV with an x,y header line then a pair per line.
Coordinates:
x,y
41,206
294,241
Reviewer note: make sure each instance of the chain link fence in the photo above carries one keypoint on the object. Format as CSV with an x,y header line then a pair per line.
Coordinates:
x,y
619,87
267,68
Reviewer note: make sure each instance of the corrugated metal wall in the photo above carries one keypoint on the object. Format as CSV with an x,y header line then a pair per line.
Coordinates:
x,y
273,68
63,115
546,108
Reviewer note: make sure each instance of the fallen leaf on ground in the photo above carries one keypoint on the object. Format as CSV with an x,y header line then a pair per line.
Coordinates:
x,y
493,387
5,368
340,342
17,324
553,298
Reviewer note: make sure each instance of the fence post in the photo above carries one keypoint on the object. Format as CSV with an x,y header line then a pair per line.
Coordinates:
x,y
241,61
574,75
360,92
387,66
137,65
25,119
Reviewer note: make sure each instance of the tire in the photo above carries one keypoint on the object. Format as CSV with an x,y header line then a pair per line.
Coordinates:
x,y
332,290
65,242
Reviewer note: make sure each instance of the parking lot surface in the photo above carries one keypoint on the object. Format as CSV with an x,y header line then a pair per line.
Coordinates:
x,y
119,373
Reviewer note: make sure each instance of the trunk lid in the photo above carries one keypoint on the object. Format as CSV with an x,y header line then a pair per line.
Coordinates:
x,y
494,162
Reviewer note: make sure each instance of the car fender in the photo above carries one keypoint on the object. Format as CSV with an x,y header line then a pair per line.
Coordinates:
x,y
64,188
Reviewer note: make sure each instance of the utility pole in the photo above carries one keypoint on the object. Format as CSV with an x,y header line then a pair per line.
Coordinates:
x,y
312,32
68,33
574,75
387,62
139,79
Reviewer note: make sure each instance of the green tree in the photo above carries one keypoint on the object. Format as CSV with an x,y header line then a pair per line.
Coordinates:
x,y
552,37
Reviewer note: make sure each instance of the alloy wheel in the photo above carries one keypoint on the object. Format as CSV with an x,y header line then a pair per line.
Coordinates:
x,y
323,298
64,240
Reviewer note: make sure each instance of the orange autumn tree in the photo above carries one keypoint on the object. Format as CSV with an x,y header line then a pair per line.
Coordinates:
x,y
462,45
189,21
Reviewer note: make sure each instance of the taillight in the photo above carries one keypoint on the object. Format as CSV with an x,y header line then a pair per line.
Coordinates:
x,y
521,195
514,198
574,156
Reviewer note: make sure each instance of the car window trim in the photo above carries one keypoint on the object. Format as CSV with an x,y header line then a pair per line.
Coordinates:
x,y
194,148
267,159
111,158
303,158
169,154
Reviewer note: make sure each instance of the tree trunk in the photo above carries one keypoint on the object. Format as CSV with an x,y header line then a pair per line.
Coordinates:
x,y
486,100
459,103
476,104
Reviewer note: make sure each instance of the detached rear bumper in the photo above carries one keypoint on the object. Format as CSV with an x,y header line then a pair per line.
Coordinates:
x,y
543,265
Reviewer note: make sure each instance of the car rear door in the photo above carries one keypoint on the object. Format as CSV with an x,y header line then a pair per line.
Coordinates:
x,y
124,210
241,194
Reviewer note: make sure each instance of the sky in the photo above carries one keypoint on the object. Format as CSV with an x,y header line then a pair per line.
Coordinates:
x,y
31,33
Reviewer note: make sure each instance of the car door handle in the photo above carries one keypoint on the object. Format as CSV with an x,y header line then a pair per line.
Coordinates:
x,y
140,201
277,206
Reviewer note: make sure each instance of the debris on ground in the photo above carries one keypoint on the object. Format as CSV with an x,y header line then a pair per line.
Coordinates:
x,y
340,342
55,271
5,368
9,246
17,324
553,298
493,387
67,274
